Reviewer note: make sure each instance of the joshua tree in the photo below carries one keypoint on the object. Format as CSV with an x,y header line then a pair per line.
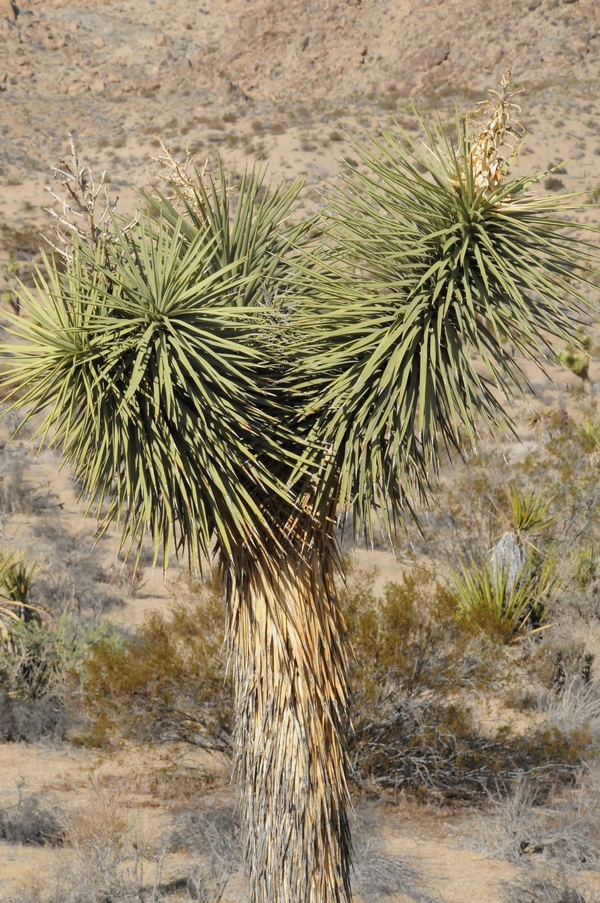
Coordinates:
x,y
216,382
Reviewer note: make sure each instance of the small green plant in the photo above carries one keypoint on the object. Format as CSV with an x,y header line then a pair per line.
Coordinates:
x,y
586,562
16,579
46,656
589,434
576,358
492,597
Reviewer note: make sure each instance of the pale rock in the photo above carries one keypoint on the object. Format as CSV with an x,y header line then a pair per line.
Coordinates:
x,y
98,86
8,10
431,56
580,45
198,56
98,42
184,68
404,89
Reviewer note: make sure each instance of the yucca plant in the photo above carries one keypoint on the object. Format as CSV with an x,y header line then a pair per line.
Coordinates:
x,y
16,579
577,358
586,565
529,511
154,363
491,597
438,268
212,388
438,275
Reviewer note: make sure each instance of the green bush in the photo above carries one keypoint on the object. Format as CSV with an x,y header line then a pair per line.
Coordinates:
x,y
46,655
39,676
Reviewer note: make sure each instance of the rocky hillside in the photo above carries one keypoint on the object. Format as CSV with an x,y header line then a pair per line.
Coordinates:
x,y
301,49
274,81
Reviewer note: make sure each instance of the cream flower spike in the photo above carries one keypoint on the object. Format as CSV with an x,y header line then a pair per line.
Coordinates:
x,y
486,150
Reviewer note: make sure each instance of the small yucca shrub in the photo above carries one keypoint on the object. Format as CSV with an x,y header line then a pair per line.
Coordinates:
x,y
16,580
503,602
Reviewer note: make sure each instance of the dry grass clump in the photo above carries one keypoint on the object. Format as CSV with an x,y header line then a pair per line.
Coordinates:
x,y
32,820
379,876
109,854
549,888
574,704
560,827
105,856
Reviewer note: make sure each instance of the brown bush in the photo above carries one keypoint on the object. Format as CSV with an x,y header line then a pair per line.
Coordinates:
x,y
167,681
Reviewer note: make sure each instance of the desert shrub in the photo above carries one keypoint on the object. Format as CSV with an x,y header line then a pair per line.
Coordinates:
x,y
413,677
46,655
412,673
527,824
167,680
32,821
549,888
32,720
432,747
39,676
406,636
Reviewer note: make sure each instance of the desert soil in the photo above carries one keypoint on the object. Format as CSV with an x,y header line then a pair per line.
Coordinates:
x,y
286,83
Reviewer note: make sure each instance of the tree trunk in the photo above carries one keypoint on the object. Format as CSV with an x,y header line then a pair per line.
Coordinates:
x,y
290,670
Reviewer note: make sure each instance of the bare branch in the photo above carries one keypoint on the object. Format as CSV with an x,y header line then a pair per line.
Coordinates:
x,y
182,177
83,210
